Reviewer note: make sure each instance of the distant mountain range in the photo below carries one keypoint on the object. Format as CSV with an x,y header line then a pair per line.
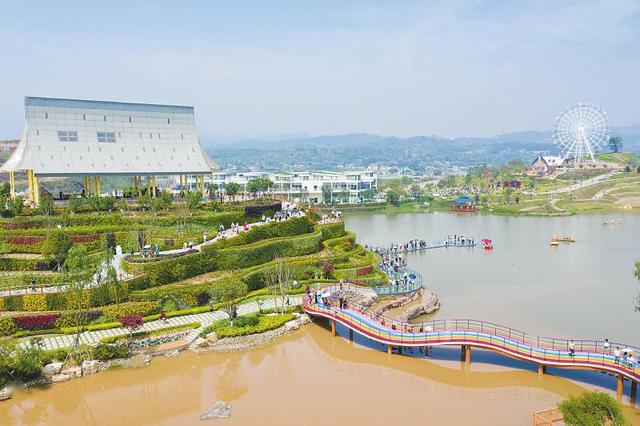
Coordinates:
x,y
417,153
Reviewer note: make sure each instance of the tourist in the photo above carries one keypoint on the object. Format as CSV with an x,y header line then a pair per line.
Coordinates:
x,y
631,360
606,346
245,226
163,316
33,284
616,355
210,305
572,350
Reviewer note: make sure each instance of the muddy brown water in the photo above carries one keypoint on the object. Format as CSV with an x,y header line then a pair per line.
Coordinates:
x,y
307,378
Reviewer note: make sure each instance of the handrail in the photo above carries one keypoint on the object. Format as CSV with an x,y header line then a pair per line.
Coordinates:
x,y
463,331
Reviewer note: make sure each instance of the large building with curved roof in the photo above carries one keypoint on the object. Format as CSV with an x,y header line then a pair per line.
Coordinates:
x,y
73,137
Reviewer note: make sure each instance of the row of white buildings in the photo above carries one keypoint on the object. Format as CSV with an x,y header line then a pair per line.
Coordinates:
x,y
346,186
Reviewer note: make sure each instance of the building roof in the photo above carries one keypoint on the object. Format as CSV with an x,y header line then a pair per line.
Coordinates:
x,y
65,137
552,161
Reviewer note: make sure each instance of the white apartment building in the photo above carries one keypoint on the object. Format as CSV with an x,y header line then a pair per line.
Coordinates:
x,y
347,186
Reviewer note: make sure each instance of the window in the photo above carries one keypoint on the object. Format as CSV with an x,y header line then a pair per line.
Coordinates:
x,y
84,117
181,136
105,118
67,136
46,115
168,121
129,119
109,137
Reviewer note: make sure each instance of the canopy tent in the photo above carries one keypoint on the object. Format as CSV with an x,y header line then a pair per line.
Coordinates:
x,y
464,200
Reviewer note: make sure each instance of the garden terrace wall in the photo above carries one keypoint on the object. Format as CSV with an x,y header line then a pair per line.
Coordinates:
x,y
211,259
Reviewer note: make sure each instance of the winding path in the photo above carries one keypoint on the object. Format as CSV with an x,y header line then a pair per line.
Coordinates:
x,y
467,333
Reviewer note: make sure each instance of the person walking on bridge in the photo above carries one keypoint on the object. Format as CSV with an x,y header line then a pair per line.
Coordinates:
x,y
606,346
616,355
572,349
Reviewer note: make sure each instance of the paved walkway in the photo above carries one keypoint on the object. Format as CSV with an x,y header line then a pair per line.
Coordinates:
x,y
93,337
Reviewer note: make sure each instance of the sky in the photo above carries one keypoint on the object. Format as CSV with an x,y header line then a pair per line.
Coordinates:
x,y
264,68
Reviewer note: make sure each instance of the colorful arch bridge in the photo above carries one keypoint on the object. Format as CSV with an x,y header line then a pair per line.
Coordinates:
x,y
468,333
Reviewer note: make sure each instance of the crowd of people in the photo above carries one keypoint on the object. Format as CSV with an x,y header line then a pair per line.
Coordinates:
x,y
459,240
393,249
335,216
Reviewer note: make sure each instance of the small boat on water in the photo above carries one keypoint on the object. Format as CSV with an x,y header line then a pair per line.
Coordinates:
x,y
487,244
563,239
613,222
555,243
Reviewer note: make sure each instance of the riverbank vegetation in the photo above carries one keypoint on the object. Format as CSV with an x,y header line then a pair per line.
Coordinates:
x,y
592,409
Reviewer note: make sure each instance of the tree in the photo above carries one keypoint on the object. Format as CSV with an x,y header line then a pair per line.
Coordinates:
x,y
393,197
279,282
5,190
144,201
227,294
259,185
75,204
192,201
592,408
327,193
615,144
56,247
369,194
166,200
46,205
232,189
507,195
416,191
77,278
16,205
132,323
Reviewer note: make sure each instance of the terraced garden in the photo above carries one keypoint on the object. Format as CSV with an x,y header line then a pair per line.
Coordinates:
x,y
181,284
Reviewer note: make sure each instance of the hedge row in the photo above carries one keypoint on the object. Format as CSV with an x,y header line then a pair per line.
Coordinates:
x,y
93,297
116,219
15,264
287,228
332,230
65,322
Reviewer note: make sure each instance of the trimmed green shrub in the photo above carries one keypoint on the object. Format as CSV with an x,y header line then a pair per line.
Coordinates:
x,y
332,230
7,326
287,228
129,308
105,352
265,323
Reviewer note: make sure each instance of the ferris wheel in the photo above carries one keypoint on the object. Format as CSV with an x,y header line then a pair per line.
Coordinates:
x,y
581,131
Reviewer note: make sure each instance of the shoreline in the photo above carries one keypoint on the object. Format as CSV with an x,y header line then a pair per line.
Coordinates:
x,y
55,372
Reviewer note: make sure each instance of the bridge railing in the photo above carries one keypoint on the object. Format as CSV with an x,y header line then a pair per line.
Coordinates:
x,y
483,332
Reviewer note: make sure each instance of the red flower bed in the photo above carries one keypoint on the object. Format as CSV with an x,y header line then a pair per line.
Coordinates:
x,y
364,271
25,240
36,322
84,238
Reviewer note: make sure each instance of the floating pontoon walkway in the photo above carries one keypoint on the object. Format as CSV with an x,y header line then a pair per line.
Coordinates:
x,y
467,333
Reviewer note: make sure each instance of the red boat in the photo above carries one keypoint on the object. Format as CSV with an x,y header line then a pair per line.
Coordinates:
x,y
487,244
